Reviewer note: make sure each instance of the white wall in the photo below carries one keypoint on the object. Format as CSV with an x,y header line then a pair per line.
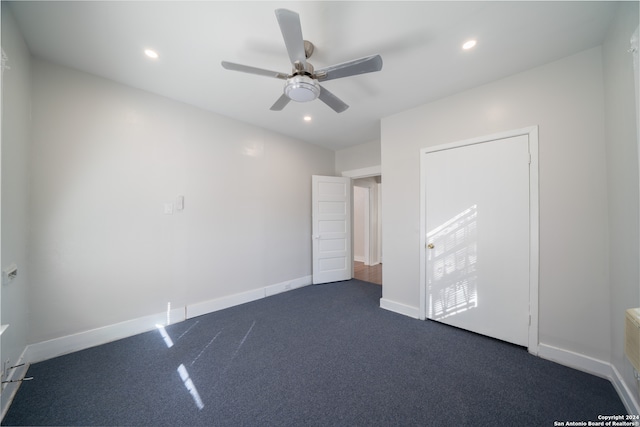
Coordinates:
x,y
358,157
16,107
565,99
106,160
622,178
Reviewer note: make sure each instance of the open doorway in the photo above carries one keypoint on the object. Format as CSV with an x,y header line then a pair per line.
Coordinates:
x,y
367,229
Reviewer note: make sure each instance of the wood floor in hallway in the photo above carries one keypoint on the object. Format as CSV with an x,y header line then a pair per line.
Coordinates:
x,y
367,273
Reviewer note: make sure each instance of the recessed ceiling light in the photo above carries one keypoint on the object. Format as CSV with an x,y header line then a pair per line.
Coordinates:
x,y
151,53
307,118
469,44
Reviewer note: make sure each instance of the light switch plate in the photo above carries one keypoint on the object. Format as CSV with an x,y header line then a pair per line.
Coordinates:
x,y
9,273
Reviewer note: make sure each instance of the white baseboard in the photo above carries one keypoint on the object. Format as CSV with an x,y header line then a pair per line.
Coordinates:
x,y
358,258
205,307
82,340
68,344
10,390
400,308
627,396
575,360
595,367
287,286
210,306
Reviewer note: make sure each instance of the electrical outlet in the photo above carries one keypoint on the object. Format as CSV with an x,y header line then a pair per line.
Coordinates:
x,y
9,274
5,366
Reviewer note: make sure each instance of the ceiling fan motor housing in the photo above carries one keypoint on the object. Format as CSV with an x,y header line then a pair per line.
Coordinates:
x,y
302,84
302,88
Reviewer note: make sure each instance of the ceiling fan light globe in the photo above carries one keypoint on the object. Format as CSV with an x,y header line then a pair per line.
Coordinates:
x,y
302,89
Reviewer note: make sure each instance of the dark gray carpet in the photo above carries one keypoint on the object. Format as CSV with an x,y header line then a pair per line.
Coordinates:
x,y
322,356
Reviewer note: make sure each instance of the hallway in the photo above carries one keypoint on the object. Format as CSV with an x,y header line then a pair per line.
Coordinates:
x,y
367,273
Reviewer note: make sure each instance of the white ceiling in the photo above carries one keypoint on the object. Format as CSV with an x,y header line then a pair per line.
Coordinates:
x,y
420,43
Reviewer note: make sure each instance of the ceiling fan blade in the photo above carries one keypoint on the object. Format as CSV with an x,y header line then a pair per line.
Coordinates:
x,y
280,103
332,101
289,22
368,64
253,70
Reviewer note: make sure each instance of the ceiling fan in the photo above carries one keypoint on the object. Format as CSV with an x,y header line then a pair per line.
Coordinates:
x,y
302,84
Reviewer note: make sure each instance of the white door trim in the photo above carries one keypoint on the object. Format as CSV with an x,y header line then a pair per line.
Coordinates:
x,y
361,200
532,133
366,173
367,226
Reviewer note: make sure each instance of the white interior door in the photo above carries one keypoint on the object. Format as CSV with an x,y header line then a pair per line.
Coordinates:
x,y
331,229
477,236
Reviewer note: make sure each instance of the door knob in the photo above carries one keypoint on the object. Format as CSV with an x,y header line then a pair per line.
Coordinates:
x,y
430,246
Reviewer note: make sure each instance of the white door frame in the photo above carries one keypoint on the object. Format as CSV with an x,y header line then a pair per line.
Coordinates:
x,y
365,223
532,133
366,173
367,226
